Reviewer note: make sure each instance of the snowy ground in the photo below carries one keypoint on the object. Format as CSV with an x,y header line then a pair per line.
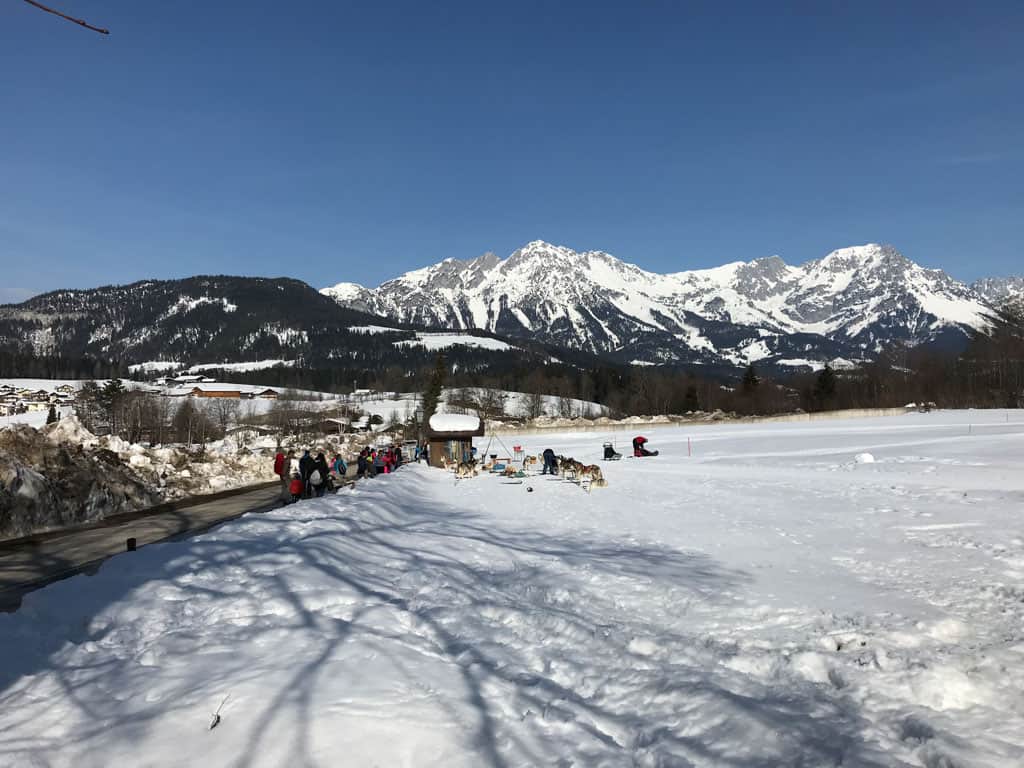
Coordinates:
x,y
769,601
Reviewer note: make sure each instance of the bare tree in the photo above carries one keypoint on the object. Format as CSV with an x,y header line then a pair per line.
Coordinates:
x,y
224,411
533,406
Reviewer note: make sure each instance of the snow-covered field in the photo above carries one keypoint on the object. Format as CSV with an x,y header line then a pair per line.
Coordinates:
x,y
433,341
771,600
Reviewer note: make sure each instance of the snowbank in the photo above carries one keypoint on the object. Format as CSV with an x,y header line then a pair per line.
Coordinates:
x,y
46,482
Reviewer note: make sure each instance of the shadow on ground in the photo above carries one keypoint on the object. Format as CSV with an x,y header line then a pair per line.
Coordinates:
x,y
556,663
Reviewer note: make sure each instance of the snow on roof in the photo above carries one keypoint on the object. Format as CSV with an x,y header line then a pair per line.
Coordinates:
x,y
454,422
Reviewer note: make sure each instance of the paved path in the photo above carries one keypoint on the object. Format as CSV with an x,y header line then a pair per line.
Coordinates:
x,y
30,564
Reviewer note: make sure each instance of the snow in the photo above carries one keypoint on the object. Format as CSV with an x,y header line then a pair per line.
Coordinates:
x,y
50,385
373,329
154,366
760,603
255,365
186,304
432,341
454,422
34,419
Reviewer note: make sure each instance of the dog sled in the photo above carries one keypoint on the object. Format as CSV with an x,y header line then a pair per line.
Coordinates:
x,y
610,454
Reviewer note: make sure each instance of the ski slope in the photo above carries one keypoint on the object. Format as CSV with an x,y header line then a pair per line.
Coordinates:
x,y
771,600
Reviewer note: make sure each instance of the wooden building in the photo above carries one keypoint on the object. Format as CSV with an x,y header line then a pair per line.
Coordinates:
x,y
207,391
451,435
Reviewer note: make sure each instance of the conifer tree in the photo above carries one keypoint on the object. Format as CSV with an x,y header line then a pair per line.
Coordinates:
x,y
750,380
691,401
825,387
432,394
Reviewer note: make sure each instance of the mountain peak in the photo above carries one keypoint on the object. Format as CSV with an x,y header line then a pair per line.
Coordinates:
x,y
846,303
867,255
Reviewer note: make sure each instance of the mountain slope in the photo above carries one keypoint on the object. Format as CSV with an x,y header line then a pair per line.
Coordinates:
x,y
219,319
999,290
849,303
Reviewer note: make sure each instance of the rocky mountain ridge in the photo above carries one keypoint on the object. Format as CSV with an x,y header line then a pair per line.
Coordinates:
x,y
848,304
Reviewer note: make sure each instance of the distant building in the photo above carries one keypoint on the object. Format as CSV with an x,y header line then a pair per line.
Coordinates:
x,y
208,391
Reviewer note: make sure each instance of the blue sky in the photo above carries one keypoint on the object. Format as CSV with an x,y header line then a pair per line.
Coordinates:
x,y
338,141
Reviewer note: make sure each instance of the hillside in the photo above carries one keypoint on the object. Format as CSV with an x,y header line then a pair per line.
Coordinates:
x,y
242,323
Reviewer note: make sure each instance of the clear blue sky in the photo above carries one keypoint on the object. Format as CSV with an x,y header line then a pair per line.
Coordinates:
x,y
333,140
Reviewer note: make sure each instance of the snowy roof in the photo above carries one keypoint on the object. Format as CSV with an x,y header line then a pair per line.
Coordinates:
x,y
454,422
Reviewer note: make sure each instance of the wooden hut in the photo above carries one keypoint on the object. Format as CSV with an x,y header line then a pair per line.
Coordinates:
x,y
451,435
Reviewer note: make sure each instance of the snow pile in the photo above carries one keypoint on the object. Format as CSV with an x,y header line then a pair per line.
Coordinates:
x,y
454,422
69,430
64,475
752,606
864,458
47,483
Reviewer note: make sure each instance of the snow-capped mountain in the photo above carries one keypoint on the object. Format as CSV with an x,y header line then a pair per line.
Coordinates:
x,y
1000,290
849,303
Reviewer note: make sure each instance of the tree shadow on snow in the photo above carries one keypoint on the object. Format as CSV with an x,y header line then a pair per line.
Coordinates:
x,y
554,661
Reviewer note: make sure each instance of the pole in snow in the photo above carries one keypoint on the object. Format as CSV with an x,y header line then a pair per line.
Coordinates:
x,y
689,447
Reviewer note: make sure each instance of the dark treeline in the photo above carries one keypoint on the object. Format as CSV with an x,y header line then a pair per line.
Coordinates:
x,y
21,365
988,373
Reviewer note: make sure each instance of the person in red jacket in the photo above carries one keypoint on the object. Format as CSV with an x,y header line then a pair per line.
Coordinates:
x,y
282,468
297,487
640,447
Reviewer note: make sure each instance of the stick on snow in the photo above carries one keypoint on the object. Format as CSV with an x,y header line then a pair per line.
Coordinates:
x,y
215,721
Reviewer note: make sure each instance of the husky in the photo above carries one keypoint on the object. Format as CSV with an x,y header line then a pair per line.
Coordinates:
x,y
466,469
569,466
593,473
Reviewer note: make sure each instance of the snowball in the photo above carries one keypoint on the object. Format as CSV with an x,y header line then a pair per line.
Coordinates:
x,y
864,458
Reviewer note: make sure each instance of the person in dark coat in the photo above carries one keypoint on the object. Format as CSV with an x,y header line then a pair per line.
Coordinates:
x,y
550,463
324,472
306,466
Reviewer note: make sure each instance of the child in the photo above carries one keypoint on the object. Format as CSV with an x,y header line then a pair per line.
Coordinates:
x,y
297,487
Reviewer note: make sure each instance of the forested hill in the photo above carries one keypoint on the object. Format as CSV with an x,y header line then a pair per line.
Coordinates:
x,y
232,320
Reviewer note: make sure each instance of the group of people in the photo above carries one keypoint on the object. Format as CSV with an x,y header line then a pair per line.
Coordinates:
x,y
372,462
308,477
312,476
